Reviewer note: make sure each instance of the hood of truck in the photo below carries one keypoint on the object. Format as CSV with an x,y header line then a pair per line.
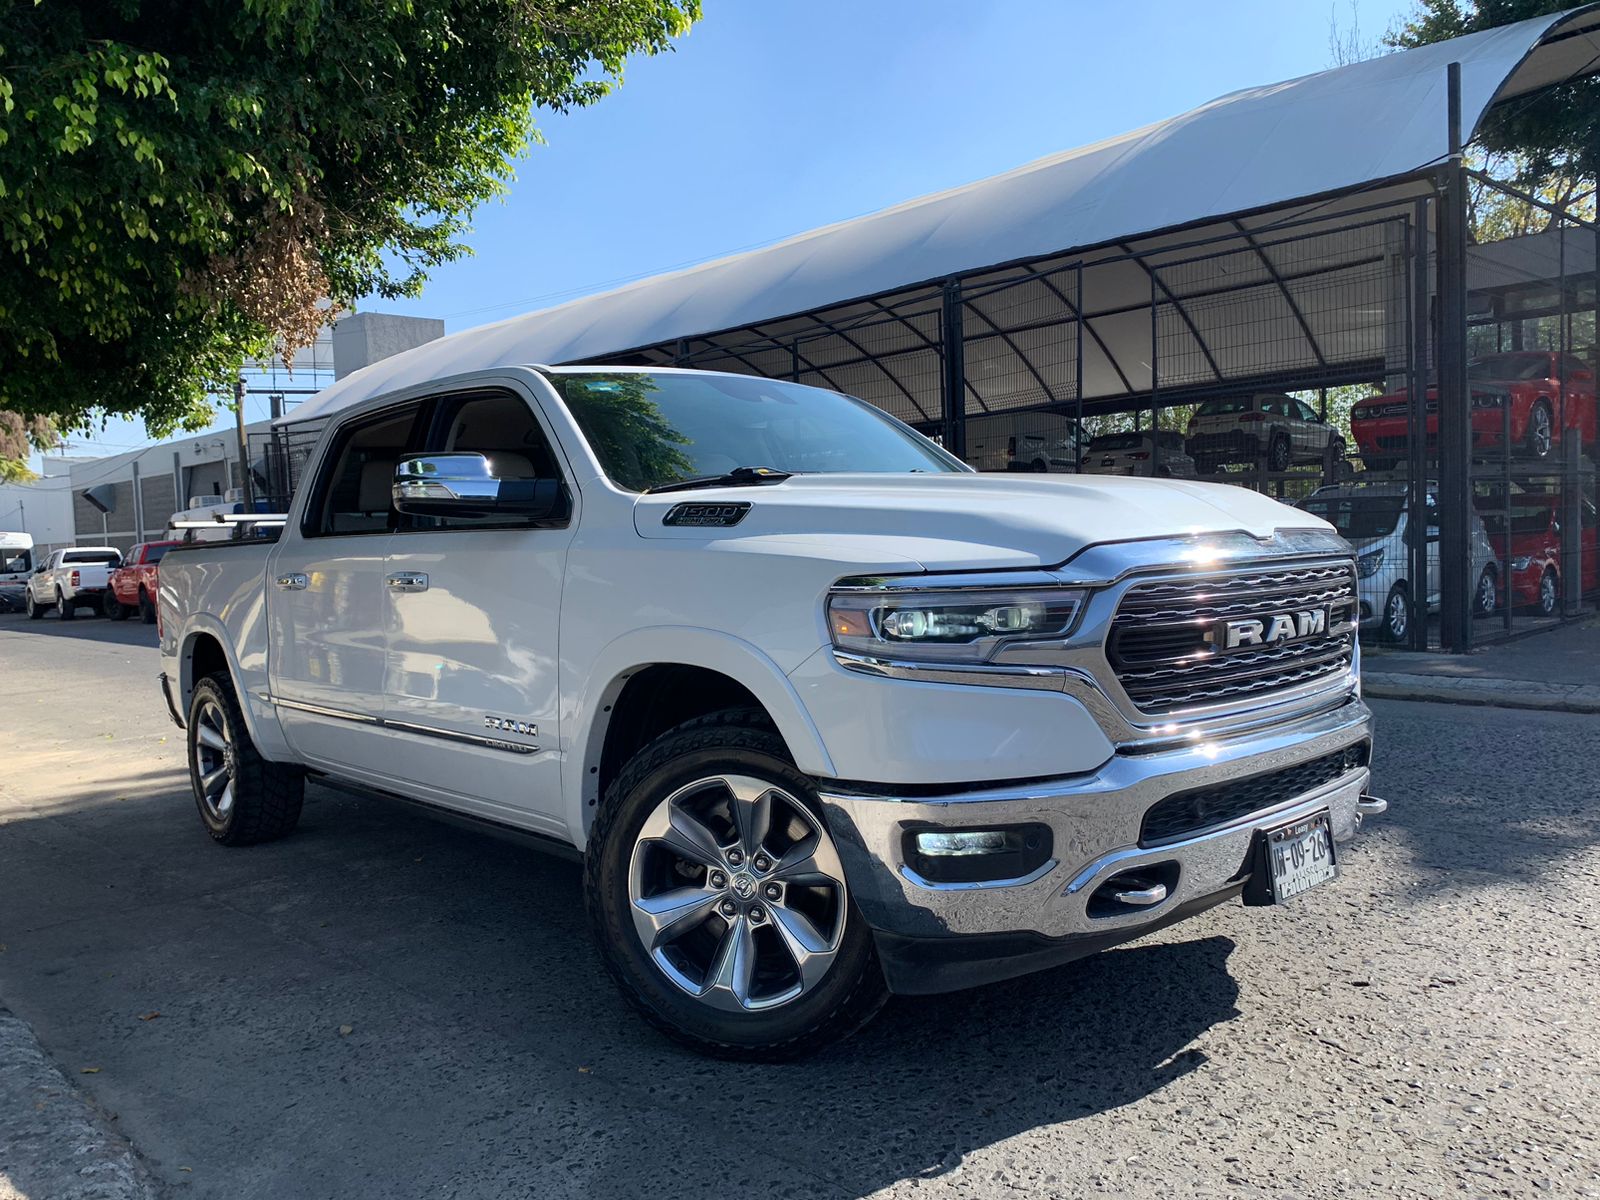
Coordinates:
x,y
967,521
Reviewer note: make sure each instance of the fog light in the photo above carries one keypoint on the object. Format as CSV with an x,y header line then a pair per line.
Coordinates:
x,y
950,845
976,856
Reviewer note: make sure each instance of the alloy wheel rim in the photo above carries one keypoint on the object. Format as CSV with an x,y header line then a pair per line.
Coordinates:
x,y
1397,616
1547,593
737,893
1486,593
213,761
1541,431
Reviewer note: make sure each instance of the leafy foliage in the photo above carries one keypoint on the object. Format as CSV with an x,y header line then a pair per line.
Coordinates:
x,y
19,436
1537,138
185,184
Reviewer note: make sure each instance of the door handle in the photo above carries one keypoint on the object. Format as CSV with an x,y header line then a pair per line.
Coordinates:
x,y
407,581
295,581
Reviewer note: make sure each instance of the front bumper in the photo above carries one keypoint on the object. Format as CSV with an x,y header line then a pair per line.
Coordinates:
x,y
935,937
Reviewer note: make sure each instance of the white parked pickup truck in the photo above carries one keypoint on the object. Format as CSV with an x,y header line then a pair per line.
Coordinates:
x,y
72,579
827,714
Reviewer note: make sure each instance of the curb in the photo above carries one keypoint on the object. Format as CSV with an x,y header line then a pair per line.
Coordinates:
x,y
53,1143
1489,693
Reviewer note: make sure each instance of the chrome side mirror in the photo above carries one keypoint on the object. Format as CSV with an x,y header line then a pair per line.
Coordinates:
x,y
453,484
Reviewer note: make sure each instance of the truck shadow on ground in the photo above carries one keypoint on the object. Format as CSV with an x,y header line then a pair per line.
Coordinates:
x,y
394,1006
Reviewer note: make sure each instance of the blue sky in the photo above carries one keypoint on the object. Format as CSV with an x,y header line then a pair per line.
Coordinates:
x,y
776,116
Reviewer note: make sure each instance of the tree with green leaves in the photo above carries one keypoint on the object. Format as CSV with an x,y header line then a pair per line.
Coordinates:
x,y
188,184
1536,143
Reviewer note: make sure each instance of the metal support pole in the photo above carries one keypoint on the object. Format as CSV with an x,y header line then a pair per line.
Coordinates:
x,y
794,360
953,389
1077,407
1571,463
247,491
1455,407
1416,428
1155,378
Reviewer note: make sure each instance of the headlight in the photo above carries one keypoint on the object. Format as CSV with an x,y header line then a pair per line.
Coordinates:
x,y
952,626
1522,563
1488,399
1367,565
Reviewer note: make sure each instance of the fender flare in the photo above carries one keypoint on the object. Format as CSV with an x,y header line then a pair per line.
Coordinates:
x,y
676,645
263,727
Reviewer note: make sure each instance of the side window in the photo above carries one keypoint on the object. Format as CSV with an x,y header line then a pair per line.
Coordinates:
x,y
1272,406
1304,411
501,427
355,490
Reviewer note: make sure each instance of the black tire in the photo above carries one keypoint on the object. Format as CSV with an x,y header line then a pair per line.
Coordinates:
x,y
1540,437
1206,466
112,608
147,609
266,796
734,741
1278,455
65,611
35,610
1549,593
1485,596
1394,624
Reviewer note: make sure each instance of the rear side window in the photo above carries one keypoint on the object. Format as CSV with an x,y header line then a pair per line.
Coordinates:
x,y
154,554
355,493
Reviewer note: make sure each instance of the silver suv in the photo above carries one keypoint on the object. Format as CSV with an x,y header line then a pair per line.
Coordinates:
x,y
1247,429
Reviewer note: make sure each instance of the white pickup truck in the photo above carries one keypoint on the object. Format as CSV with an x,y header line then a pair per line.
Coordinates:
x,y
826,713
72,579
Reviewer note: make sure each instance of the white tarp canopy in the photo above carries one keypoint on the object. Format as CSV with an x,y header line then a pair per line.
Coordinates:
x,y
1256,149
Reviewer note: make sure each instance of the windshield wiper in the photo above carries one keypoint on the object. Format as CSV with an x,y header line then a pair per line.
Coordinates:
x,y
738,477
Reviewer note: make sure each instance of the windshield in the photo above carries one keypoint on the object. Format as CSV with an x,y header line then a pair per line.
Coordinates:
x,y
1358,518
14,561
649,430
1510,367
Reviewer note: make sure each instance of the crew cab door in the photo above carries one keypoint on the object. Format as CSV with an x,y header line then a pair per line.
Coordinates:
x,y
326,603
472,607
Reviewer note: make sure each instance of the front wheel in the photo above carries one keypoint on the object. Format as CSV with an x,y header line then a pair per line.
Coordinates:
x,y
112,608
35,609
1541,430
1395,627
242,797
718,900
1549,593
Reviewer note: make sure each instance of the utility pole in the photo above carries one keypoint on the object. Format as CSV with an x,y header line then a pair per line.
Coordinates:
x,y
244,449
1455,403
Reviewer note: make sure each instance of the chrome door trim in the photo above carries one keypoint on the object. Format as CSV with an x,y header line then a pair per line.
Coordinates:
x,y
452,735
407,581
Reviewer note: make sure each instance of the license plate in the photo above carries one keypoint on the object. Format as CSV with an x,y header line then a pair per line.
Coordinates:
x,y
1300,856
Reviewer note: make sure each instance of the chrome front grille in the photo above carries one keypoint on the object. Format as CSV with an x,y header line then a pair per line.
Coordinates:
x,y
1168,643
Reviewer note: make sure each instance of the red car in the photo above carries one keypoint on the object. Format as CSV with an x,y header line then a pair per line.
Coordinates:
x,y
134,583
1535,549
1527,380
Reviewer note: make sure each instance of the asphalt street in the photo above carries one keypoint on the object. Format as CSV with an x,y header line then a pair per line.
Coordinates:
x,y
385,1006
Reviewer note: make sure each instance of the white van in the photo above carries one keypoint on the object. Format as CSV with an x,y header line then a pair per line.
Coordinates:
x,y
16,564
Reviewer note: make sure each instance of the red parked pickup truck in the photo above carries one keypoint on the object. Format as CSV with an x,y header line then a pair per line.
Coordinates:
x,y
1527,380
134,585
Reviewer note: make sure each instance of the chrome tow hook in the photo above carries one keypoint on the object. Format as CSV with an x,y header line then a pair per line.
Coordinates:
x,y
1370,806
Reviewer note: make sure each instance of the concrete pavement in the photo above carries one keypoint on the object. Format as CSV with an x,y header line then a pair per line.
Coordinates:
x,y
384,1006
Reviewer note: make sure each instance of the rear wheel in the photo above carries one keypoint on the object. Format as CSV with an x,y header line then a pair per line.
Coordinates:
x,y
64,610
1486,595
1278,453
147,608
242,797
718,901
1395,626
